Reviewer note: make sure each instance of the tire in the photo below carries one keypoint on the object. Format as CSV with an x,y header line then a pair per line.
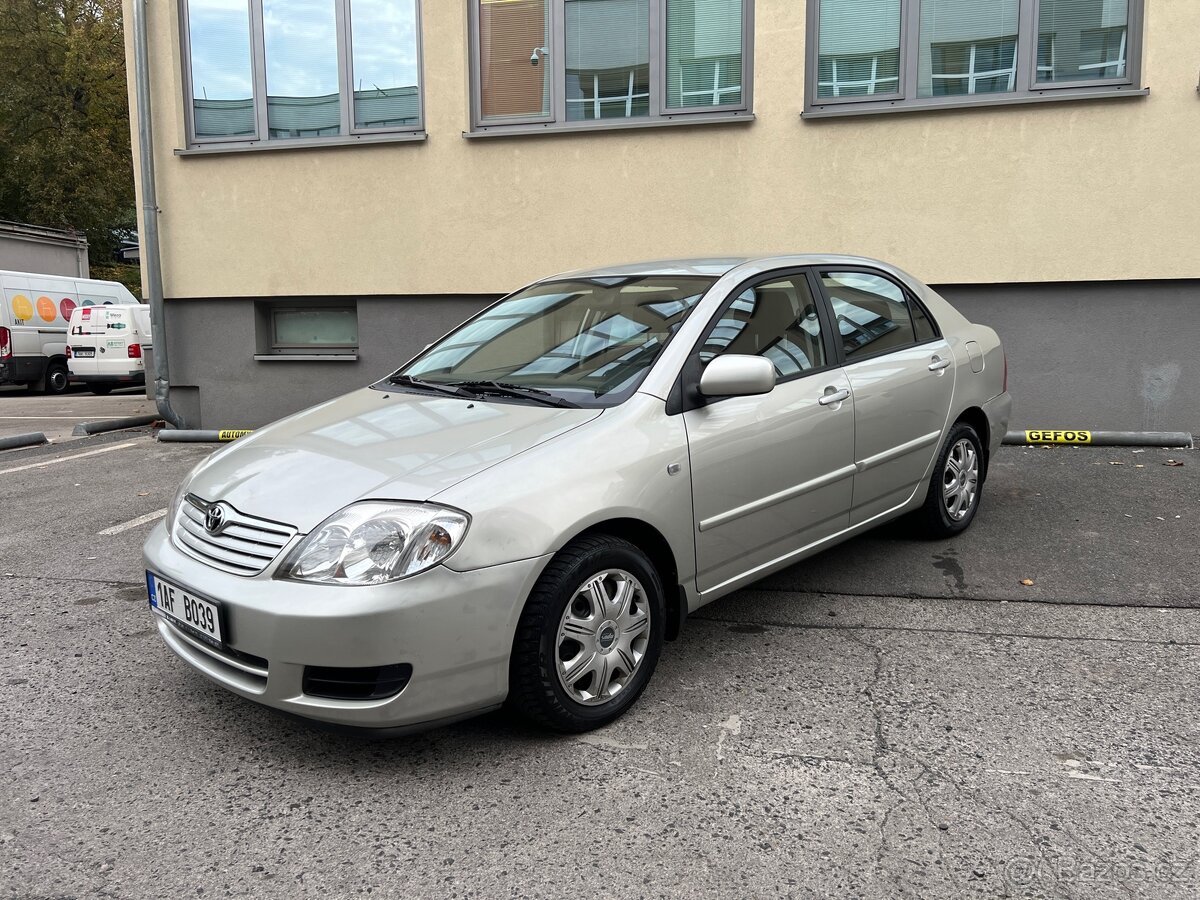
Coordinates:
x,y
581,656
57,378
956,485
100,389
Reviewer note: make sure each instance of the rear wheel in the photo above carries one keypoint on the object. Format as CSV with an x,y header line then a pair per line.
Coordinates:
x,y
589,637
956,485
100,389
57,379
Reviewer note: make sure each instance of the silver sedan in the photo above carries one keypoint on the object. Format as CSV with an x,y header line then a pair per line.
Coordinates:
x,y
526,511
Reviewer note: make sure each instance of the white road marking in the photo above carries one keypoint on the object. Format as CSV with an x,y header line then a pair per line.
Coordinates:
x,y
59,459
134,523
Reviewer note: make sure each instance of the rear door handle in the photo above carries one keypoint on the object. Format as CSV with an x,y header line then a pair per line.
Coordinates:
x,y
938,364
835,397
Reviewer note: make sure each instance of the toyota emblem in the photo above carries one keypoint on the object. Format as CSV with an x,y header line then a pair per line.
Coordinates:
x,y
214,519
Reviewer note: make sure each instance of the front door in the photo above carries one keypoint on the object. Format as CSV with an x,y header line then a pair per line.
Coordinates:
x,y
771,473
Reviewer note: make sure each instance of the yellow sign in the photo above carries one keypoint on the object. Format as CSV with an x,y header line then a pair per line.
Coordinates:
x,y
22,308
232,434
1058,437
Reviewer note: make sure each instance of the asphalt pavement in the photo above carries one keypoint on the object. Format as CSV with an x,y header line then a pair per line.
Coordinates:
x,y
894,718
23,411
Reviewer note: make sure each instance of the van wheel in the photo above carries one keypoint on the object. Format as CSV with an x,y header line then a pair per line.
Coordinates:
x,y
101,389
589,636
57,379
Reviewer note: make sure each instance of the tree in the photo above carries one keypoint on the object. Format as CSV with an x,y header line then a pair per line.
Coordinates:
x,y
64,119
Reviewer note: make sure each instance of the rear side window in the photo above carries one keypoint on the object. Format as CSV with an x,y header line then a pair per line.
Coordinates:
x,y
874,314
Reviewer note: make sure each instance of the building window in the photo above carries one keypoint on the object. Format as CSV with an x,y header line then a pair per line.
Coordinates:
x,y
876,55
289,328
268,71
577,63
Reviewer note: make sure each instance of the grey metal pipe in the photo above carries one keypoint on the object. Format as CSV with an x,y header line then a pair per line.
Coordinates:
x,y
112,425
149,232
1080,437
201,436
13,441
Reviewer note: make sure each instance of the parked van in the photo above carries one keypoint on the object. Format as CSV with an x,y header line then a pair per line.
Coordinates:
x,y
34,316
104,346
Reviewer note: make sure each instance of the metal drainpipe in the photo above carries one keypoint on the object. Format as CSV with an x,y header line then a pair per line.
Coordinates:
x,y
149,235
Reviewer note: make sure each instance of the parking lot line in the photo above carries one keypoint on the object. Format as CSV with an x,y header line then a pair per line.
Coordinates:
x,y
59,459
134,523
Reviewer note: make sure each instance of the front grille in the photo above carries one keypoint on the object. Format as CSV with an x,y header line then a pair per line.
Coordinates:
x,y
370,683
243,545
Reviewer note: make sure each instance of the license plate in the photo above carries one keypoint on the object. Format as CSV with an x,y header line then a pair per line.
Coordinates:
x,y
84,354
193,614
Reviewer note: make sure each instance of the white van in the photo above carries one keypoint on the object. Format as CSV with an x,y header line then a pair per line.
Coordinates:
x,y
104,346
33,324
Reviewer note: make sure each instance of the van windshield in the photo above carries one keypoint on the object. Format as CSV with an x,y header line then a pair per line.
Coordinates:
x,y
589,341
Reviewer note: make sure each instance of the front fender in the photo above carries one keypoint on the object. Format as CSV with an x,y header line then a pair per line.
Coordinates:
x,y
621,465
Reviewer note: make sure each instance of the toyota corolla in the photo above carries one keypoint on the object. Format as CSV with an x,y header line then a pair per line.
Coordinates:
x,y
529,509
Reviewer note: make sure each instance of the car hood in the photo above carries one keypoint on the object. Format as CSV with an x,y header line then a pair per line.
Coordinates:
x,y
372,445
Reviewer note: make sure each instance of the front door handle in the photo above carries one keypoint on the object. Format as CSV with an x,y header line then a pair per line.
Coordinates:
x,y
938,364
834,397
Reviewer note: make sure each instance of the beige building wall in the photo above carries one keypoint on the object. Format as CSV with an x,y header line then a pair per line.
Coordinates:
x,y
1071,191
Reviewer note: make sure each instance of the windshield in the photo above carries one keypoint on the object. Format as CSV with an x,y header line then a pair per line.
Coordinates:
x,y
587,340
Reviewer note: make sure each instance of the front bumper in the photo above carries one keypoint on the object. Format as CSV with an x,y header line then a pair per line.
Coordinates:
x,y
454,628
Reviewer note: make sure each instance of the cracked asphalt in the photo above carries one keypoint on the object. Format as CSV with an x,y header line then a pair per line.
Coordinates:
x,y
894,718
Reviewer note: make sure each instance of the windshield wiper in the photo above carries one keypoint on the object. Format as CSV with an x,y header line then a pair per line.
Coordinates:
x,y
521,391
409,381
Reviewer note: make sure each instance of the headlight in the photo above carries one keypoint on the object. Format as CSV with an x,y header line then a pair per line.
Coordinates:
x,y
374,542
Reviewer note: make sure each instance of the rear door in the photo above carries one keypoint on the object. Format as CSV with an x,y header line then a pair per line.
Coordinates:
x,y
771,473
901,371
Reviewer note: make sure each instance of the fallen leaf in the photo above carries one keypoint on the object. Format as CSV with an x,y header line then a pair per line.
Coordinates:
x,y
143,493
1139,466
1027,581
1113,462
1173,462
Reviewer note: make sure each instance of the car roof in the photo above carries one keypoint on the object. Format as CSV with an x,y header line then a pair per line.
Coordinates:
x,y
714,267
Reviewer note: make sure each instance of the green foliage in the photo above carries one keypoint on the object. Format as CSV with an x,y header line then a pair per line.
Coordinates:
x,y
128,274
65,159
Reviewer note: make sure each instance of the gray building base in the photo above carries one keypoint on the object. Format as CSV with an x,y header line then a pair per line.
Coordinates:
x,y
1099,356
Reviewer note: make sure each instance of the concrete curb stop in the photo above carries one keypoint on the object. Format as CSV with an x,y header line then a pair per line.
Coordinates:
x,y
13,441
190,436
1081,438
85,428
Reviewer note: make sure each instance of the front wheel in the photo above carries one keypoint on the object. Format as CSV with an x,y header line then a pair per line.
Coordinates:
x,y
589,637
956,484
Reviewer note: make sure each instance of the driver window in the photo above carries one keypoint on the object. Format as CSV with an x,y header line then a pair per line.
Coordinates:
x,y
775,319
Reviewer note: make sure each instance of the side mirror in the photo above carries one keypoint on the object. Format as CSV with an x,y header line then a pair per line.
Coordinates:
x,y
737,375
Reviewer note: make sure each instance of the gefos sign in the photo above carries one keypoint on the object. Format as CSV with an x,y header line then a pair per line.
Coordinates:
x,y
1058,437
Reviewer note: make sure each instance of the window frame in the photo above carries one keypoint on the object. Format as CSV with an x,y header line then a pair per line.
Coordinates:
x,y
659,114
269,346
348,133
818,276
1027,88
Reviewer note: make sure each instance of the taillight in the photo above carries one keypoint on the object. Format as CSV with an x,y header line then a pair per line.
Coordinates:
x,y
135,351
5,343
69,353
